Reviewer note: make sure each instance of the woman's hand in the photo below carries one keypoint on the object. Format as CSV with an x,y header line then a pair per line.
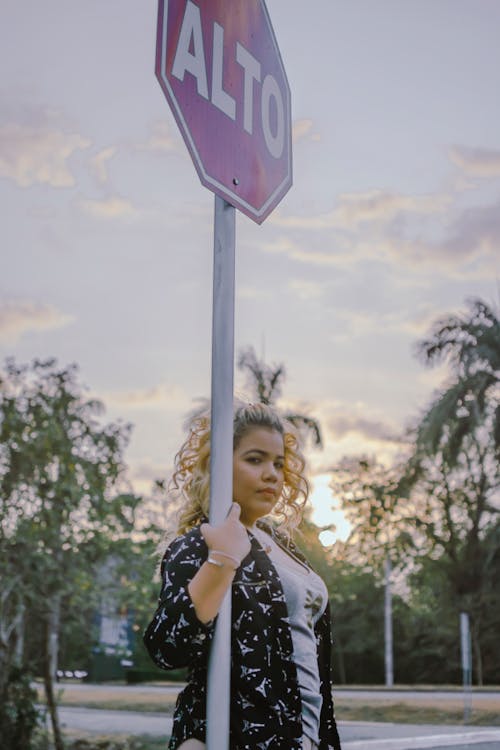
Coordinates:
x,y
210,584
230,537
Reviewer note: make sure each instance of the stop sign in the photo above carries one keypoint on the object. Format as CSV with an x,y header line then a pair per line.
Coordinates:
x,y
219,66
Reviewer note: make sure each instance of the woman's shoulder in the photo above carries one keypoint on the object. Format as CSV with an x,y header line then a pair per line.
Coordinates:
x,y
189,538
186,545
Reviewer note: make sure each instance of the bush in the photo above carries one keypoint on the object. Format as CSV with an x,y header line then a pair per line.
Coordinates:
x,y
134,676
102,744
19,716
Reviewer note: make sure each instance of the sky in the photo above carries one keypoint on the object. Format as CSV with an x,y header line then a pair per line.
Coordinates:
x,y
393,219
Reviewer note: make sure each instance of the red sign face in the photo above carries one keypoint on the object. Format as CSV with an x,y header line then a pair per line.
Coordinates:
x,y
219,66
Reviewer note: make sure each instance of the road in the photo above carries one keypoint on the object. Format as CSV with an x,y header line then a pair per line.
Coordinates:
x,y
354,735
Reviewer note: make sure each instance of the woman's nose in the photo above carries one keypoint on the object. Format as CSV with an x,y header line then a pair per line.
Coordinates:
x,y
270,472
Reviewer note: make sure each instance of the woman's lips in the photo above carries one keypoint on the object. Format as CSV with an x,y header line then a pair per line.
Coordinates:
x,y
269,492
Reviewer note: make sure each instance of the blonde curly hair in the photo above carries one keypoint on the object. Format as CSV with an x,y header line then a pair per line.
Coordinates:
x,y
191,477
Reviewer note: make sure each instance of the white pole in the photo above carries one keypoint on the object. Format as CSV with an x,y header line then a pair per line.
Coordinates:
x,y
221,459
466,663
389,670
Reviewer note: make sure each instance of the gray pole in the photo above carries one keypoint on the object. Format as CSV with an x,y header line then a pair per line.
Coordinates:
x,y
221,459
389,671
465,647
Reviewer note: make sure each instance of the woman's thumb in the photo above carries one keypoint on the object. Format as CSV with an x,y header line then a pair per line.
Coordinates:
x,y
234,512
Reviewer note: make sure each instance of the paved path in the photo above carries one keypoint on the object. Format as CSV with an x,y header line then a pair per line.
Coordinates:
x,y
354,735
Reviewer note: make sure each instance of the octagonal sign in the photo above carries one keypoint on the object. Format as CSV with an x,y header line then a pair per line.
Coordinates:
x,y
220,68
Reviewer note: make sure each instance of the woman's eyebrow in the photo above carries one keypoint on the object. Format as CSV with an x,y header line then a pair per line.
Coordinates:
x,y
261,452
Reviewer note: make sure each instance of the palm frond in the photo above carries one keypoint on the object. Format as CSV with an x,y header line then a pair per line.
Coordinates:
x,y
311,425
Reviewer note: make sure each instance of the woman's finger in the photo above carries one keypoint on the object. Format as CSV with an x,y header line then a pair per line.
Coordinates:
x,y
234,512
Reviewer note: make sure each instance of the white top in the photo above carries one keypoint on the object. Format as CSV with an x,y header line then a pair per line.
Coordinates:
x,y
306,597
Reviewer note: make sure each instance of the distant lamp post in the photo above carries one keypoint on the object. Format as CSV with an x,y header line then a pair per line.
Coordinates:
x,y
388,640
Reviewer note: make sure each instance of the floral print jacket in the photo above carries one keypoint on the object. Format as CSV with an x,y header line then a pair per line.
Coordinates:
x,y
265,696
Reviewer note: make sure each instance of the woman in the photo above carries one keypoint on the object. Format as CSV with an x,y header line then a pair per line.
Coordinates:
x,y
281,642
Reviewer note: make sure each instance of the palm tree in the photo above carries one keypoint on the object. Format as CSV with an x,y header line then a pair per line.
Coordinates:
x,y
471,344
266,382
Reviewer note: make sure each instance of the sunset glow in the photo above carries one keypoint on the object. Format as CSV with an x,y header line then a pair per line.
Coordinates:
x,y
326,512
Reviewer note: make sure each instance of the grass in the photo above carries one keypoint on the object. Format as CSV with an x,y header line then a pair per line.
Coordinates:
x,y
115,700
425,710
87,741
405,713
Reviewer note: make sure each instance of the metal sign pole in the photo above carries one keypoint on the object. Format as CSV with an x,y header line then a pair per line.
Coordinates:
x,y
221,459
466,663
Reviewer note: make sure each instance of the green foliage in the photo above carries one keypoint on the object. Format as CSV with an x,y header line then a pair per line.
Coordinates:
x,y
381,524
426,645
357,604
60,470
19,716
358,625
452,477
439,511
111,743
62,500
471,344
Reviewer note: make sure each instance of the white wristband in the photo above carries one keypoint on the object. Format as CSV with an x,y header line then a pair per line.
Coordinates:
x,y
224,554
218,563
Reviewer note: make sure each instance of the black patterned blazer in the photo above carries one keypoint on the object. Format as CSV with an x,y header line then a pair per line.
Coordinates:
x,y
265,698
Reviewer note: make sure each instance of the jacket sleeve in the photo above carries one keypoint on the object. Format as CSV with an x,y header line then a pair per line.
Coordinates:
x,y
329,736
175,637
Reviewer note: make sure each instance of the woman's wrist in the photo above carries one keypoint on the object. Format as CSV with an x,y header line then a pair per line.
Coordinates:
x,y
223,559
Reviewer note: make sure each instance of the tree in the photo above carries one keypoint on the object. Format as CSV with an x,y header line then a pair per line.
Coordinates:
x,y
471,344
369,493
452,477
62,497
380,532
266,381
440,504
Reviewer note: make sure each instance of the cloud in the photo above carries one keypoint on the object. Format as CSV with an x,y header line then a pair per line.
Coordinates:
x,y
303,128
245,291
354,209
30,155
417,233
475,232
382,206
338,254
164,395
476,162
147,471
371,429
113,207
98,166
434,378
340,419
349,429
306,289
453,256
161,138
415,322
20,317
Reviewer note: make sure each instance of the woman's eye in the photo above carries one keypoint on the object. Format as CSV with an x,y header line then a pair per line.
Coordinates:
x,y
279,465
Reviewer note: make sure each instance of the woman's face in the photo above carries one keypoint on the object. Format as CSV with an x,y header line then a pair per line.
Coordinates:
x,y
258,462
